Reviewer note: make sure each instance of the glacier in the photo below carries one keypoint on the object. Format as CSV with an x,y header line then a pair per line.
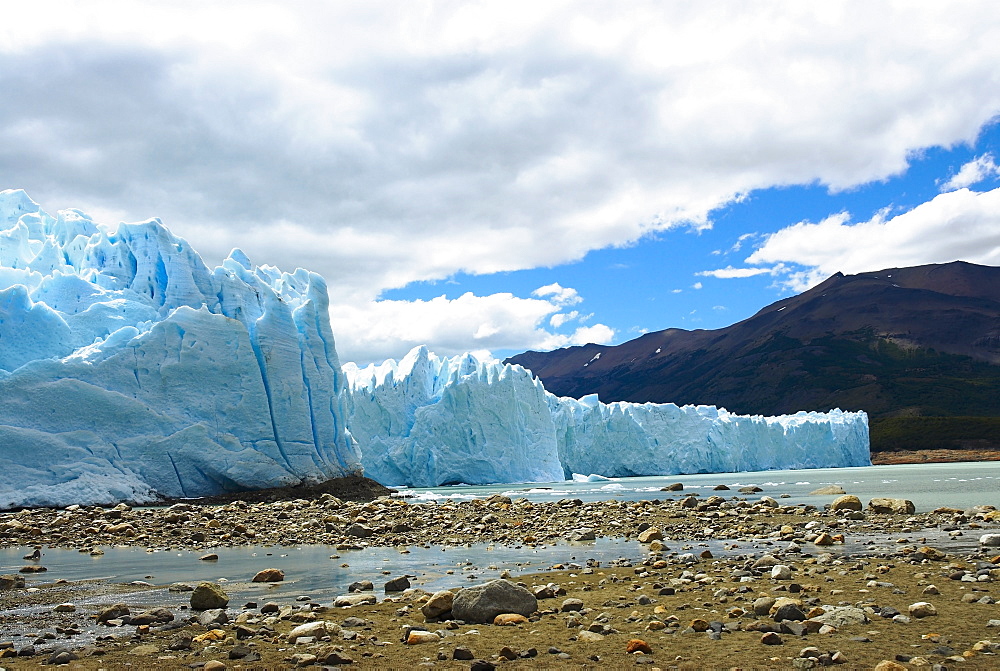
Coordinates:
x,y
129,370
427,421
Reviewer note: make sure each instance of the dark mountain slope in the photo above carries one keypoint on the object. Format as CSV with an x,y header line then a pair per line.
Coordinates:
x,y
903,342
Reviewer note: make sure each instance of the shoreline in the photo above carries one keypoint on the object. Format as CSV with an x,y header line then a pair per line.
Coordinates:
x,y
942,456
663,599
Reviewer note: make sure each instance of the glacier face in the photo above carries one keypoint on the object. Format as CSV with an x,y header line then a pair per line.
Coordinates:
x,y
427,421
129,369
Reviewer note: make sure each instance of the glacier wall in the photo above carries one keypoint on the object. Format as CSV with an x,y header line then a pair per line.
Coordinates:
x,y
427,421
130,370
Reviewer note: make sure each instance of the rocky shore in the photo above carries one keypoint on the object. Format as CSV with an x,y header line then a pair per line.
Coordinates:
x,y
847,583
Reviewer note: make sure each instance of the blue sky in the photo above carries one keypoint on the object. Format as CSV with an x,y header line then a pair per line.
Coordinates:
x,y
498,177
657,283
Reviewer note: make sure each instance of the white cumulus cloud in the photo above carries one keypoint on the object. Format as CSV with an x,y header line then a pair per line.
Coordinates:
x,y
384,143
973,172
958,225
729,272
389,328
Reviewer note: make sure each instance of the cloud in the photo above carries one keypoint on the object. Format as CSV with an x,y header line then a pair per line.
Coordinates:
x,y
973,172
385,143
502,321
729,272
697,285
561,318
958,225
558,294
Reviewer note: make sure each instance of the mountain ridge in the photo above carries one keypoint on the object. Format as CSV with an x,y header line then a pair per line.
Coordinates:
x,y
922,341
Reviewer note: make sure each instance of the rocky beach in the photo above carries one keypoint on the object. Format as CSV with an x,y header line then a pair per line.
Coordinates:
x,y
860,584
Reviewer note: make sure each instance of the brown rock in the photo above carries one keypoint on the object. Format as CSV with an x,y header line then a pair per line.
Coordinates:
x,y
32,569
269,575
11,581
699,624
770,638
891,506
112,613
638,645
922,609
416,637
509,619
438,604
651,534
847,502
889,665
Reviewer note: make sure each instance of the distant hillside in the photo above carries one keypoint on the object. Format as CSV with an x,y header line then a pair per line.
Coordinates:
x,y
917,348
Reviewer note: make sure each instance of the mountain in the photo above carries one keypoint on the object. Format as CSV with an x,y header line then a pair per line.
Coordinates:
x,y
911,346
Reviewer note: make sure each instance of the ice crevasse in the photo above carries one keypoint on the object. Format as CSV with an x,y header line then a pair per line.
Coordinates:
x,y
427,421
129,370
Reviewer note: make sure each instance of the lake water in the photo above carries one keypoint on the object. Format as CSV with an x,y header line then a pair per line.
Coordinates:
x,y
310,570
929,486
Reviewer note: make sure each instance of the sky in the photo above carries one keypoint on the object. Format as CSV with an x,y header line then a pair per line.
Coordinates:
x,y
499,177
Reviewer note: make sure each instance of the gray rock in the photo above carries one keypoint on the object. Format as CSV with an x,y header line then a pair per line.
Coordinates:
x,y
480,604
208,618
208,596
990,540
350,600
152,616
762,606
789,612
399,584
360,531
841,616
115,612
571,605
829,490
361,586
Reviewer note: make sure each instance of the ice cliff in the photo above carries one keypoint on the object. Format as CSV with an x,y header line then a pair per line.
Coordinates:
x,y
428,421
129,369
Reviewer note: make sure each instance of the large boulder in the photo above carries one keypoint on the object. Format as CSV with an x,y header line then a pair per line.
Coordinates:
x,y
439,604
208,596
892,506
846,502
482,603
